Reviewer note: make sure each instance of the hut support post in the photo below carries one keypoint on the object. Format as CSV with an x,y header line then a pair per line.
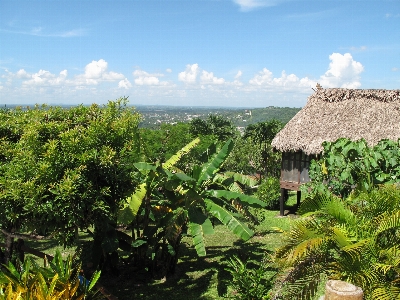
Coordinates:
x,y
298,199
282,212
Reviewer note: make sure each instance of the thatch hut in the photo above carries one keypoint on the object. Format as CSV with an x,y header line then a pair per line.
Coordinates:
x,y
328,115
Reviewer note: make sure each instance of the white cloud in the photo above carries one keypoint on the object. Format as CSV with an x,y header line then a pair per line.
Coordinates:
x,y
209,78
395,69
168,70
95,72
22,74
265,78
247,5
190,74
42,78
238,74
343,72
124,84
144,78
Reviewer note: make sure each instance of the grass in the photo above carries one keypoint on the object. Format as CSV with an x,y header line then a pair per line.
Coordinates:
x,y
195,277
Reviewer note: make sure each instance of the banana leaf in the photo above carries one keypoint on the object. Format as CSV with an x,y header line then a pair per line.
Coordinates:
x,y
215,164
176,157
251,201
229,220
127,214
199,225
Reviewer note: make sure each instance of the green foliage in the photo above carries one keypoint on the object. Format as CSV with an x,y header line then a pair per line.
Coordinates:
x,y
173,203
66,169
58,280
249,283
245,158
262,135
354,239
345,165
269,192
221,128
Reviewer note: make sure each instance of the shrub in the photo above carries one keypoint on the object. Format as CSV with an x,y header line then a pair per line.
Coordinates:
x,y
269,192
247,283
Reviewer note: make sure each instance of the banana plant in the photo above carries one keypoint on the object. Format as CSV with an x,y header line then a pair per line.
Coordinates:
x,y
174,202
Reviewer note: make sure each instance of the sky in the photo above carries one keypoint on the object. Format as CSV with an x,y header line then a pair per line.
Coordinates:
x,y
225,53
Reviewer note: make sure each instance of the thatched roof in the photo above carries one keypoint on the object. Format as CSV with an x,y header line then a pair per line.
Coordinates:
x,y
334,113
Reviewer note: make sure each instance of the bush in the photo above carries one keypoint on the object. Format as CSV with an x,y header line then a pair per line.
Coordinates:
x,y
249,284
269,192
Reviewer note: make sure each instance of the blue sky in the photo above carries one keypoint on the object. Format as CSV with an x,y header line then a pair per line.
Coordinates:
x,y
237,53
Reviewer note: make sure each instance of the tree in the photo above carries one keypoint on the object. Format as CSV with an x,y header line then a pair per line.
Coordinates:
x,y
62,170
221,128
262,134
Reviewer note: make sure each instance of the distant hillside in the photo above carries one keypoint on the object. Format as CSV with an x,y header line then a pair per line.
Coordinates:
x,y
154,116
240,117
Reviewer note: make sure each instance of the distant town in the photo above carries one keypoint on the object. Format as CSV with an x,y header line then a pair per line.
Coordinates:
x,y
154,116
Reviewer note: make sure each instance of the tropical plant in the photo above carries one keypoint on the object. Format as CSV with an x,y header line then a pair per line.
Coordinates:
x,y
269,192
249,283
169,203
345,165
55,280
354,239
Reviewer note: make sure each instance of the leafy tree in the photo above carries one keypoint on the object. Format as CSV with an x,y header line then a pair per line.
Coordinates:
x,y
221,128
245,157
354,239
262,135
62,170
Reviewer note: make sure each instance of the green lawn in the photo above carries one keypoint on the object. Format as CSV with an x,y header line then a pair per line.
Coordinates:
x,y
195,278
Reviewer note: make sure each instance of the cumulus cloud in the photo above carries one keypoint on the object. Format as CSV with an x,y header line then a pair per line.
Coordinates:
x,y
168,70
190,74
23,74
343,72
247,5
124,84
144,78
265,78
96,71
209,78
395,69
42,77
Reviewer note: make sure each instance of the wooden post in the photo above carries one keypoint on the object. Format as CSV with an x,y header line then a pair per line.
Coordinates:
x,y
298,198
341,290
282,204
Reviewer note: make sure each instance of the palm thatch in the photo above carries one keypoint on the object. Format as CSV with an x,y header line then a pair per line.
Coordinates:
x,y
335,113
